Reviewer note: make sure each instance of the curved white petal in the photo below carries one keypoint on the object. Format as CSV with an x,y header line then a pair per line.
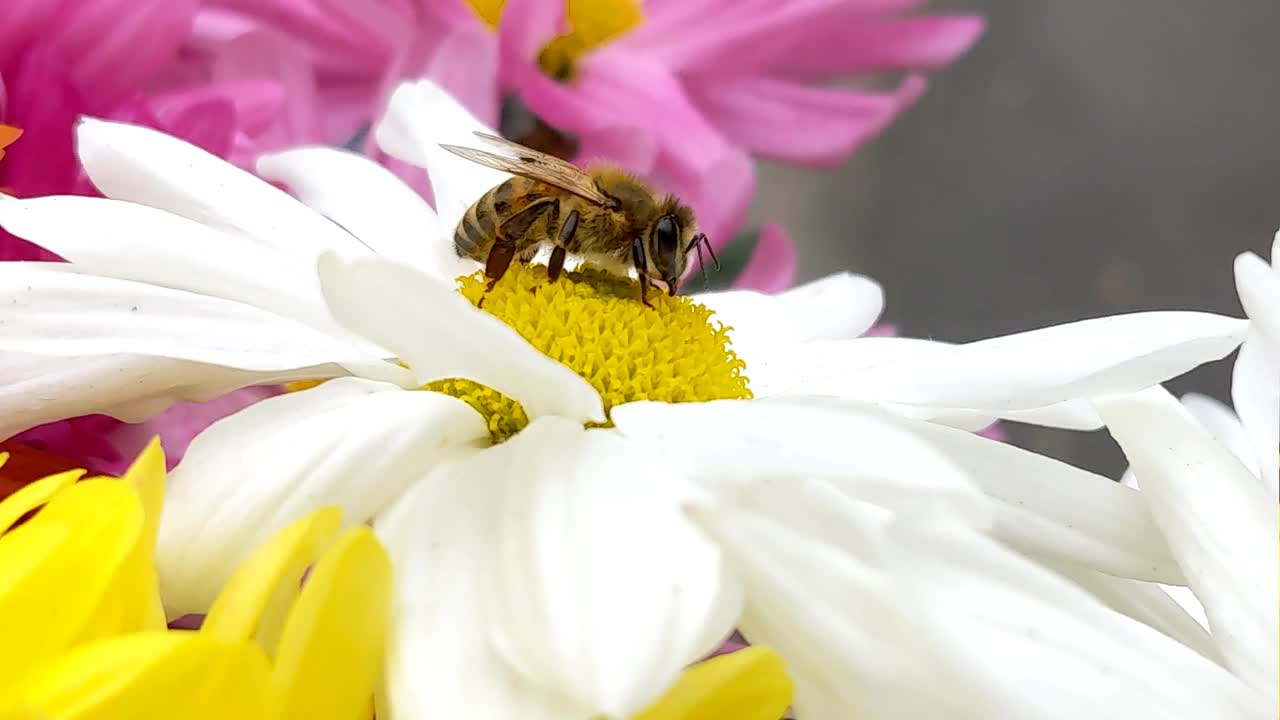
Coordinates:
x,y
54,310
842,305
1219,521
441,662
602,590
368,200
835,620
440,335
1148,603
1084,359
830,368
727,443
420,117
946,623
1258,285
1052,509
131,388
1027,643
349,442
121,239
130,162
1255,393
1224,425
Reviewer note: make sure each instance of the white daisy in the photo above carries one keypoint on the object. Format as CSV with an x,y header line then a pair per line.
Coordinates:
x,y
1255,381
521,564
918,616
1220,522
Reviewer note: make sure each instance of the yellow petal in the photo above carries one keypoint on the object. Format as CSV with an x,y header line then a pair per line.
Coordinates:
x,y
33,496
750,684
55,569
330,653
146,475
258,596
152,675
135,597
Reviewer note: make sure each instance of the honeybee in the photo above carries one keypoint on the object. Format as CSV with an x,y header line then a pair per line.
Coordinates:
x,y
604,214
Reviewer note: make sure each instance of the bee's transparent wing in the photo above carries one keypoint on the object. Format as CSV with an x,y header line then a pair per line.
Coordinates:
x,y
527,162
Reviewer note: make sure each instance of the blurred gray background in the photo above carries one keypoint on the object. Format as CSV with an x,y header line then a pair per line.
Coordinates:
x,y
1087,157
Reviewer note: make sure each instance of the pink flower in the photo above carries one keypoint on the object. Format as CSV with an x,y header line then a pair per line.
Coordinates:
x,y
60,59
682,91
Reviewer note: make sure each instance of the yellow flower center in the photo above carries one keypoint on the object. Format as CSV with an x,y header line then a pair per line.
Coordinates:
x,y
592,23
593,322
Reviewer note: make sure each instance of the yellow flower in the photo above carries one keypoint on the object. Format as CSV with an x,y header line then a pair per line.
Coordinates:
x,y
85,635
751,684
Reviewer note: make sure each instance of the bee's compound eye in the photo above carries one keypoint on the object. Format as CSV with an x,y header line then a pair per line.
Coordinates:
x,y
666,236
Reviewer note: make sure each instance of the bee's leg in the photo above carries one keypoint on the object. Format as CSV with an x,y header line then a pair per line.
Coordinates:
x,y
644,291
567,230
510,233
637,258
556,264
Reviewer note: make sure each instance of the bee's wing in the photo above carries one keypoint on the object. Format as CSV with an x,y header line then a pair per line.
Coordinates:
x,y
527,162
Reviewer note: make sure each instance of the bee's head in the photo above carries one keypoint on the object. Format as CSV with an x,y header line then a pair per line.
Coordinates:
x,y
662,252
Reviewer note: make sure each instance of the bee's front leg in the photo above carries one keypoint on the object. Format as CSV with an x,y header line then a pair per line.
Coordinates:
x,y
644,291
556,264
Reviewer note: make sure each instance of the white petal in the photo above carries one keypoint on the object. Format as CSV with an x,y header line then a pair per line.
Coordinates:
x,y
440,660
1027,643
1223,424
349,442
420,117
132,388
1221,523
831,368
837,623
603,590
1255,392
1051,509
53,310
863,450
843,305
1259,288
130,162
1042,367
441,335
368,200
1148,603
125,240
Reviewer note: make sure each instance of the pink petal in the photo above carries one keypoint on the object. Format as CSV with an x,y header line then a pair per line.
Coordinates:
x,y
45,106
266,55
24,20
465,63
882,330
742,30
82,440
639,92
527,26
256,103
797,123
113,46
633,148
306,23
772,267
209,124
908,43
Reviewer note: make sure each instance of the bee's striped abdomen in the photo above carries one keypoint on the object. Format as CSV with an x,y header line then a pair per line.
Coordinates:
x,y
477,229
